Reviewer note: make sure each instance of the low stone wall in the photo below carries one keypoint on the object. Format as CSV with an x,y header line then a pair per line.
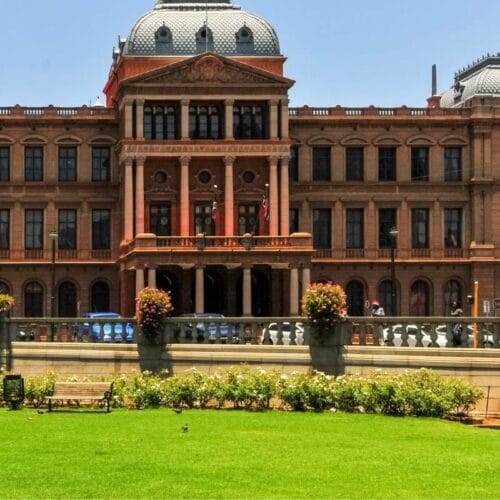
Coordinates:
x,y
481,367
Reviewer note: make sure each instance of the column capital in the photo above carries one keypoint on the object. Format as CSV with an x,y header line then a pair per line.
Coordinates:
x,y
140,102
273,160
185,160
274,102
229,160
185,102
128,162
140,160
285,101
285,159
229,102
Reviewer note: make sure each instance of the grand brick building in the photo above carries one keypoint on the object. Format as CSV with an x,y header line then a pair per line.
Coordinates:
x,y
198,178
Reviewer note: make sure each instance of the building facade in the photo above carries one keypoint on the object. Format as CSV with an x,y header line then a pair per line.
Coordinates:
x,y
197,177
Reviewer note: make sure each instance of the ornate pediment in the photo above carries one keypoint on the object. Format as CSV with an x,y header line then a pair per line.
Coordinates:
x,y
209,69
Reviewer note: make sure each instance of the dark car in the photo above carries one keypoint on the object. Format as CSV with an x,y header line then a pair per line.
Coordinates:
x,y
107,332
201,324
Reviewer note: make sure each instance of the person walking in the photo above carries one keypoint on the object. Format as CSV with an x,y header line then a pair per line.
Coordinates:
x,y
377,309
457,328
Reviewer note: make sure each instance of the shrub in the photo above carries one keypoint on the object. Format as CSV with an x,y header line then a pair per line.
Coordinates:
x,y
153,307
294,391
145,390
36,388
7,302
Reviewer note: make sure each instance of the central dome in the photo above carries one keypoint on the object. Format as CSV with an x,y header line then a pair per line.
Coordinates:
x,y
190,27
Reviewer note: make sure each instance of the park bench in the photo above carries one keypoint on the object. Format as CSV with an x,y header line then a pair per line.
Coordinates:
x,y
98,392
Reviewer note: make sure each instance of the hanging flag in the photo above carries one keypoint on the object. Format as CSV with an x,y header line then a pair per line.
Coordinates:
x,y
265,208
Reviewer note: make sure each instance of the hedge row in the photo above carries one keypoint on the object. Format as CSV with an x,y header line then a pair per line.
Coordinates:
x,y
421,393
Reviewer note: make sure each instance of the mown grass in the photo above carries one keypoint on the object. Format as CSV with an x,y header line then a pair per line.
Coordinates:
x,y
232,454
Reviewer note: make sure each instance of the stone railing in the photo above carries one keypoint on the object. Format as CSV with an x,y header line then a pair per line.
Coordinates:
x,y
61,255
385,253
371,111
56,112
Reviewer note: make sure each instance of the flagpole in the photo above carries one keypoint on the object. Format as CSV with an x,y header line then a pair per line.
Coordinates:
x,y
206,26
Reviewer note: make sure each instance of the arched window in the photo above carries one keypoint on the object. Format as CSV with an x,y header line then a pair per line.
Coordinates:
x,y
419,299
160,122
204,40
33,300
4,288
452,293
163,39
99,297
66,300
245,41
355,292
385,297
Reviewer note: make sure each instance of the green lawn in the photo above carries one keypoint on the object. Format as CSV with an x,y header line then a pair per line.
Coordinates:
x,y
232,454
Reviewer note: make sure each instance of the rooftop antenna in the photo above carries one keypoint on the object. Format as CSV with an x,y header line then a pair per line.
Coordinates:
x,y
434,79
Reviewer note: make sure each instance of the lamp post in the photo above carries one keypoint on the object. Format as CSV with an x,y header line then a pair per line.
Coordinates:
x,y
394,234
54,235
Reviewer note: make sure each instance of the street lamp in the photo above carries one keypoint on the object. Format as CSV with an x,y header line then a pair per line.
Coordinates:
x,y
54,235
394,234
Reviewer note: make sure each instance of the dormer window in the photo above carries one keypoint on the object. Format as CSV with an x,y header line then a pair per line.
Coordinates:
x,y
204,40
244,41
163,38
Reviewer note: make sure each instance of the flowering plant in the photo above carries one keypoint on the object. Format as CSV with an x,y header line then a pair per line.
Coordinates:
x,y
153,307
6,302
325,304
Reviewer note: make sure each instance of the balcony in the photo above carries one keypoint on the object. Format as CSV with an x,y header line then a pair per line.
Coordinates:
x,y
372,111
384,254
33,113
45,255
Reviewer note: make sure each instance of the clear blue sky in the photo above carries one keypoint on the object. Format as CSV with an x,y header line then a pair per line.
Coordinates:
x,y
354,53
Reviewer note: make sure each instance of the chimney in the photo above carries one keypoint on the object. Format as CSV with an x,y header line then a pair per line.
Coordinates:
x,y
435,100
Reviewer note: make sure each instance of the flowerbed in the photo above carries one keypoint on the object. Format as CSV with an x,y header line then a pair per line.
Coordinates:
x,y
421,393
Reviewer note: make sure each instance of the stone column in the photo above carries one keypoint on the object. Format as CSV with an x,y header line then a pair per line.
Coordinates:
x,y
200,290
185,160
294,291
129,202
273,119
139,119
139,196
229,107
285,197
306,279
185,120
273,196
129,129
247,291
284,119
229,197
139,280
152,277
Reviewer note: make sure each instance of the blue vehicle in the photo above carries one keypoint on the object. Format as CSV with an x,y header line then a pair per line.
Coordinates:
x,y
202,324
107,332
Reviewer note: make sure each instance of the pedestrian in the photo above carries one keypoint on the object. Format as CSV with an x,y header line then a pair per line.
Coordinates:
x,y
457,328
377,309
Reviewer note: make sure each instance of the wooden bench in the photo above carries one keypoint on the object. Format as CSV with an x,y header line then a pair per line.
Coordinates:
x,y
100,392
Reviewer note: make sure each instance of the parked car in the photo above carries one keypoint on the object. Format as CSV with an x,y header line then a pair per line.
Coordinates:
x,y
274,328
201,324
107,332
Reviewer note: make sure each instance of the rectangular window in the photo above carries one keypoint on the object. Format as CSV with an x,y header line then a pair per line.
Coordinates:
x,y
204,219
159,220
161,121
67,164
355,228
453,228
321,163
354,164
206,121
249,121
293,165
4,229
294,220
420,164
322,228
33,229
420,227
101,229
4,163
387,164
101,164
453,164
387,219
67,229
33,163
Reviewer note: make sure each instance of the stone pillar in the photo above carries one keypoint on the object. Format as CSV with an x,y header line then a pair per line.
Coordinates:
x,y
285,197
200,290
185,160
184,120
139,280
139,119
129,129
273,119
273,196
247,291
306,279
294,291
284,119
152,277
229,197
129,202
139,195
229,107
